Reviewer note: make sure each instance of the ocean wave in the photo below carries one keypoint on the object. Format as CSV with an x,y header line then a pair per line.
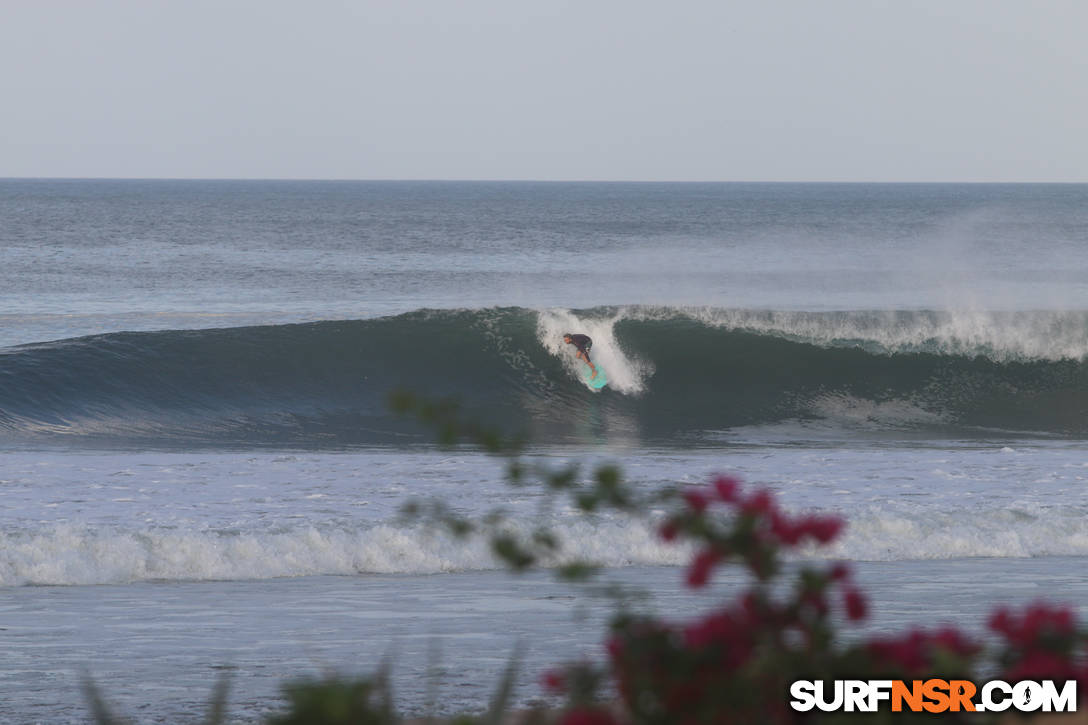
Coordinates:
x,y
76,554
70,554
675,374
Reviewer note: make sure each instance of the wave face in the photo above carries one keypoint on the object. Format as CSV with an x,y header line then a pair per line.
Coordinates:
x,y
677,375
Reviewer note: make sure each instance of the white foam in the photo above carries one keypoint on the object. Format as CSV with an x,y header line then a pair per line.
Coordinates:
x,y
1025,531
71,554
626,375
998,335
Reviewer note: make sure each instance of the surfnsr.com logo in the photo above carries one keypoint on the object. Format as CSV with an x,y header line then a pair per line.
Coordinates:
x,y
933,695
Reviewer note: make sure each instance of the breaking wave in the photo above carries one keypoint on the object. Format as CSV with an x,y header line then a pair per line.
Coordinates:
x,y
76,554
675,375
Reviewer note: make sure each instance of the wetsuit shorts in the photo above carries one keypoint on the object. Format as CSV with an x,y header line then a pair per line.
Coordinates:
x,y
583,343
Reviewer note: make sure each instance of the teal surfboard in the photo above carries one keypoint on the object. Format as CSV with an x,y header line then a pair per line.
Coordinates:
x,y
597,382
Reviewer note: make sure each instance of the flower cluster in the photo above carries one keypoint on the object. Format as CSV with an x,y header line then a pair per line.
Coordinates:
x,y
920,654
1041,643
735,664
740,658
755,533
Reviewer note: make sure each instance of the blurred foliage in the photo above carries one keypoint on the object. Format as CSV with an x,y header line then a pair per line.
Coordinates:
x,y
732,664
338,701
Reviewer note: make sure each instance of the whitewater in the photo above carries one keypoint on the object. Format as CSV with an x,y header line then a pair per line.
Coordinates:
x,y
200,469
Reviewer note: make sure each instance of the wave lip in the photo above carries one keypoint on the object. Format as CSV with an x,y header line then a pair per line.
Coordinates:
x,y
1001,336
675,375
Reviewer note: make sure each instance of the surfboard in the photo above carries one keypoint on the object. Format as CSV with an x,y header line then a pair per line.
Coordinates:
x,y
596,383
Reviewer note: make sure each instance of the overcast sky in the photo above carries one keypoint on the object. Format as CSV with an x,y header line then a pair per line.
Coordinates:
x,y
759,90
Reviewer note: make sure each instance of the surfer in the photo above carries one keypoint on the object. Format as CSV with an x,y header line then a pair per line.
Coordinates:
x,y
583,343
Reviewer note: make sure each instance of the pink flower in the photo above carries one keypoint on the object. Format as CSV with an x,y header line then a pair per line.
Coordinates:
x,y
697,499
555,681
824,529
784,529
839,572
954,641
857,607
714,628
1040,620
727,488
701,566
759,503
827,529
1040,665
906,651
1044,618
668,531
1001,621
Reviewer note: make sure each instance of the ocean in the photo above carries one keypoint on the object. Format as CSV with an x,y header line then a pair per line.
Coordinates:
x,y
200,472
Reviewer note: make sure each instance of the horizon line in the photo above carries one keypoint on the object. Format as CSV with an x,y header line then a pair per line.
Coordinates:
x,y
524,180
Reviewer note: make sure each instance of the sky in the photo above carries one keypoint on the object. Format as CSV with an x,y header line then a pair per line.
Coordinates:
x,y
688,90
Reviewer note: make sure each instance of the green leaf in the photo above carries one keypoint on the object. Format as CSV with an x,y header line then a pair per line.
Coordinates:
x,y
217,708
545,539
588,502
508,549
578,571
99,710
500,701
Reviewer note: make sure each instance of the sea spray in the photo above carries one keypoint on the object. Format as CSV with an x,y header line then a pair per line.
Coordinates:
x,y
1002,336
625,375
